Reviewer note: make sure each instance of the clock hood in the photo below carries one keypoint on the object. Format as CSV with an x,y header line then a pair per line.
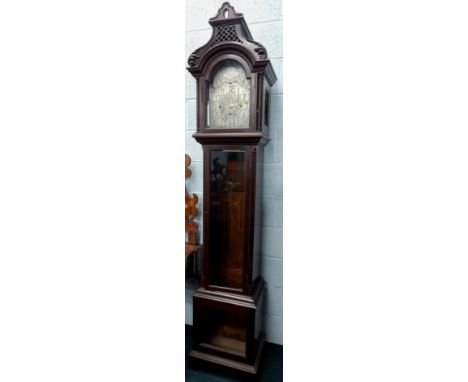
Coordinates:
x,y
231,34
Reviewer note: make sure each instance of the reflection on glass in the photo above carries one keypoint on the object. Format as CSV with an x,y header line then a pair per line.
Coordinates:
x,y
227,217
229,97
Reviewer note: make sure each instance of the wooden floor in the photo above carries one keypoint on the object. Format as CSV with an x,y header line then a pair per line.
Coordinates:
x,y
271,366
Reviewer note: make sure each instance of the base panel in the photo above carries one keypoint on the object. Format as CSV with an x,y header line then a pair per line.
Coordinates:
x,y
199,357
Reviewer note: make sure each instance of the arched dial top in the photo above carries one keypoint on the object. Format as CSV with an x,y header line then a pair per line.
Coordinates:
x,y
229,97
234,77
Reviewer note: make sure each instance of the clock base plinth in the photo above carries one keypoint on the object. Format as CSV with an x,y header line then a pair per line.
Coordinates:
x,y
227,330
198,359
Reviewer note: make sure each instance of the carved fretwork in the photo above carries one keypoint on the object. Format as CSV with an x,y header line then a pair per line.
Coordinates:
x,y
226,33
231,31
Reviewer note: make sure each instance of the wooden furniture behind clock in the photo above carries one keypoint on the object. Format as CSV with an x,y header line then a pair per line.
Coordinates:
x,y
234,77
191,227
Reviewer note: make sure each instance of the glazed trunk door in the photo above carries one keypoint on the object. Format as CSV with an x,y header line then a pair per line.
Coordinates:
x,y
227,217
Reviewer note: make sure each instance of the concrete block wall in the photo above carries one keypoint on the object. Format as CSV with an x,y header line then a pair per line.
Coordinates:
x,y
264,18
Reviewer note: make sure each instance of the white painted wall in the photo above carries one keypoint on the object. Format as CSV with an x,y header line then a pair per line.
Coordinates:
x,y
264,19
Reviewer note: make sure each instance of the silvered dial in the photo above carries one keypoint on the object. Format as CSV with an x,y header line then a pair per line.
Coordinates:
x,y
229,97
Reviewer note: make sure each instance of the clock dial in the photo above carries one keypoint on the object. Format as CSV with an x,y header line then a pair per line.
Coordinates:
x,y
229,97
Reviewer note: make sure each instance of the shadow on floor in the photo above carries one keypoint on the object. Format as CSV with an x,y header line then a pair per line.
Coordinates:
x,y
271,367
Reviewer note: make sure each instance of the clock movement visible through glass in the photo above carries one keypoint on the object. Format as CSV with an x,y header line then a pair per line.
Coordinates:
x,y
229,97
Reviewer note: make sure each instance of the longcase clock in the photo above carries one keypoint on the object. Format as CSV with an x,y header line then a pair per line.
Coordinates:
x,y
234,79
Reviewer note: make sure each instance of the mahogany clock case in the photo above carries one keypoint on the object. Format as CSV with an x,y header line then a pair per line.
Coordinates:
x,y
234,78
